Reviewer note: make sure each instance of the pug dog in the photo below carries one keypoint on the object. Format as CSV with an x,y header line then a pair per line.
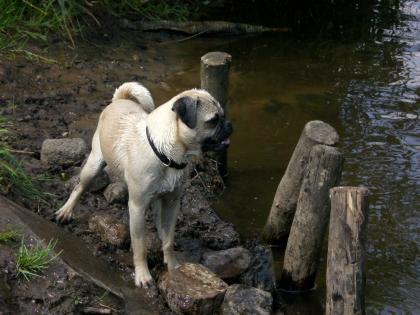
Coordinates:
x,y
148,147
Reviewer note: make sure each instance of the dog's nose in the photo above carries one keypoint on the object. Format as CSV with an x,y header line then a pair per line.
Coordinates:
x,y
228,127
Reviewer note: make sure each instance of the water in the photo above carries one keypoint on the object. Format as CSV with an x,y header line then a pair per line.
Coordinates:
x,y
369,91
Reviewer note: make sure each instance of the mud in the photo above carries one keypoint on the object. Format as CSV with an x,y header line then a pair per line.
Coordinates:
x,y
61,290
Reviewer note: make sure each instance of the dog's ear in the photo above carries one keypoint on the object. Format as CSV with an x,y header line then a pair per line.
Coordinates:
x,y
186,108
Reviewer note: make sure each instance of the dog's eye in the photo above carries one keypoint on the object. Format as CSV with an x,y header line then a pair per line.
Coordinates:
x,y
213,121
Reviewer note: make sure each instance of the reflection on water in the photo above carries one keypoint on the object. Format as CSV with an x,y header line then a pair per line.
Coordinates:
x,y
369,91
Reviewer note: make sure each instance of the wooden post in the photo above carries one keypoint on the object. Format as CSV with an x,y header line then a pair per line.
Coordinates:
x,y
284,205
347,251
215,68
311,219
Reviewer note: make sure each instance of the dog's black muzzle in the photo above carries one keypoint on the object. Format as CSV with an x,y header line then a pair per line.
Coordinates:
x,y
220,139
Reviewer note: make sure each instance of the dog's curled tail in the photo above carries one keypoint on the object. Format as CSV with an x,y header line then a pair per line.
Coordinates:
x,y
135,92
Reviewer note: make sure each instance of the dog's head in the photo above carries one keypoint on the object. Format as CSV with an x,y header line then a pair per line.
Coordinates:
x,y
202,122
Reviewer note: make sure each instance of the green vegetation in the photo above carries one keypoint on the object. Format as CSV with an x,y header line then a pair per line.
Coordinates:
x,y
25,20
32,261
13,178
9,236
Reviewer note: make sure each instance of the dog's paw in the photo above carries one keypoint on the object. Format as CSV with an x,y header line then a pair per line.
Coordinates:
x,y
63,215
143,278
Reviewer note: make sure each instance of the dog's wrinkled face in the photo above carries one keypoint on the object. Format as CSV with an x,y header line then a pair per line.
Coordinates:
x,y
203,115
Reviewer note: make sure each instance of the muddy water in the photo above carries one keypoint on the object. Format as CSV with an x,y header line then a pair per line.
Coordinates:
x,y
368,90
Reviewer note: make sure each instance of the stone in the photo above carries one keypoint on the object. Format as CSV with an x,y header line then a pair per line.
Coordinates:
x,y
244,300
110,230
220,235
192,289
98,183
201,221
260,273
116,192
228,263
212,231
63,152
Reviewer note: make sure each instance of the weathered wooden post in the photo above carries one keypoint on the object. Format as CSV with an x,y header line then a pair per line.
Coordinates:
x,y
284,205
347,251
305,241
215,68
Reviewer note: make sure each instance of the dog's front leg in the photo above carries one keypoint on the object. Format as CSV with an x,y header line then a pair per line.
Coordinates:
x,y
170,211
137,209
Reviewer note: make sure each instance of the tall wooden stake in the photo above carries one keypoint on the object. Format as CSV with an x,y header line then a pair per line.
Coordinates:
x,y
347,251
215,68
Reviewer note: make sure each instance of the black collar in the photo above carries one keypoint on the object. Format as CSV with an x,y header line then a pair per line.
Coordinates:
x,y
164,159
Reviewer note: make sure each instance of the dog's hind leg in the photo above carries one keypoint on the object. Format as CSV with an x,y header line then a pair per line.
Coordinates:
x,y
170,211
94,164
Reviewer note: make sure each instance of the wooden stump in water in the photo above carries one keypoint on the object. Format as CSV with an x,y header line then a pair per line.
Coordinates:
x,y
347,251
284,205
215,67
311,219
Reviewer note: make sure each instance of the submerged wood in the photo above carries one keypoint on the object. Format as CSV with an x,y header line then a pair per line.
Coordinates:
x,y
311,219
214,73
284,204
195,27
347,251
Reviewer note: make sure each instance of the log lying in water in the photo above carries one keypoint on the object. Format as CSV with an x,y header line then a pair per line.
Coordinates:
x,y
311,219
284,204
195,27
347,251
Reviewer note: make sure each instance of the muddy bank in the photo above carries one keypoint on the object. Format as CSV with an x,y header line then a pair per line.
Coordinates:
x,y
61,290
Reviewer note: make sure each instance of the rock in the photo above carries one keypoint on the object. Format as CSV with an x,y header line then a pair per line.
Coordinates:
x,y
228,263
260,273
99,182
244,300
116,192
213,232
219,235
192,289
64,152
200,221
109,229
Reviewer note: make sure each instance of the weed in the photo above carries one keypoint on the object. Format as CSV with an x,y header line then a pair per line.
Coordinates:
x,y
9,236
77,301
32,261
12,175
22,21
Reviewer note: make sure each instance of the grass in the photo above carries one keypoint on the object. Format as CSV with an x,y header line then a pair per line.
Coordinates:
x,y
22,21
32,261
13,177
9,236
